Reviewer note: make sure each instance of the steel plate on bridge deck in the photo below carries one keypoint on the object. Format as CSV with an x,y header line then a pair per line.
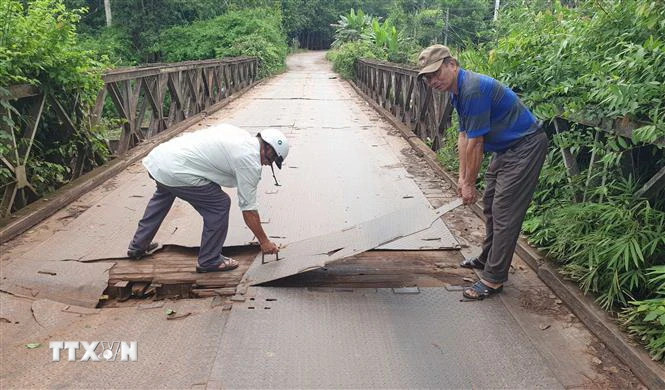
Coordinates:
x,y
316,252
367,338
63,281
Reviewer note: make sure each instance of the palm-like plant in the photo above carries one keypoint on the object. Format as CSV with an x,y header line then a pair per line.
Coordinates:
x,y
384,35
351,27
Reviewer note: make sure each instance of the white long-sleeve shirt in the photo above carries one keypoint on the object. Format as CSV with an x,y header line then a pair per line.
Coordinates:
x,y
223,154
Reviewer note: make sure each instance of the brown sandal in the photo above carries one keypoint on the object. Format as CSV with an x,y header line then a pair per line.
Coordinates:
x,y
227,264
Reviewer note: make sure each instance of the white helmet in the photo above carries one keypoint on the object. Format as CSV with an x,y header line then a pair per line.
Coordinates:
x,y
277,140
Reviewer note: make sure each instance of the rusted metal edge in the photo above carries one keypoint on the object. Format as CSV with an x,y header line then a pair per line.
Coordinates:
x,y
39,210
411,71
128,73
595,319
22,91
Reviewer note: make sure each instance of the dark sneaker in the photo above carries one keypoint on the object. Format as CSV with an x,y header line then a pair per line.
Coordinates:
x,y
137,254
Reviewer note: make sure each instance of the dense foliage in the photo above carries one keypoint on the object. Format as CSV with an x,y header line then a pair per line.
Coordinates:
x,y
589,62
359,35
137,25
39,47
457,23
407,27
248,32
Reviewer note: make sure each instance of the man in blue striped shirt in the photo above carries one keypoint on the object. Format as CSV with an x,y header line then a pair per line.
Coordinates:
x,y
491,119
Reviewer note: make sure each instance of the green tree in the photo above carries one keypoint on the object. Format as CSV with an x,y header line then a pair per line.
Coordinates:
x,y
469,21
251,32
39,46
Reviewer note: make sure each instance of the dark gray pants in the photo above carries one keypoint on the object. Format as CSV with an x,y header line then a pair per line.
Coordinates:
x,y
511,180
209,200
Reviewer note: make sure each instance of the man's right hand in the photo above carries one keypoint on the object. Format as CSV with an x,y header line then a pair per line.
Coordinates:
x,y
269,247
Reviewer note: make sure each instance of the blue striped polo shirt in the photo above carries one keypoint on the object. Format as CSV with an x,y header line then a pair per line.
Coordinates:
x,y
490,109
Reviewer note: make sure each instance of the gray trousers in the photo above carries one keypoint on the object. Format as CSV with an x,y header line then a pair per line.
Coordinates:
x,y
209,200
511,180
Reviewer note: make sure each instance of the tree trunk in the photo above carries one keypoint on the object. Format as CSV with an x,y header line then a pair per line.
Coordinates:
x,y
107,10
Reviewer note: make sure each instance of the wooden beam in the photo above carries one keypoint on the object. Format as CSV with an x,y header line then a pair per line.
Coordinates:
x,y
32,122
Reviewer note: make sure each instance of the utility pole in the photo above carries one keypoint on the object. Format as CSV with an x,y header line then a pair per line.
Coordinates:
x,y
107,10
496,9
445,36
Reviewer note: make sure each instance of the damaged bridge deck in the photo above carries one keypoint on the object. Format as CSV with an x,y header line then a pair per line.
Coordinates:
x,y
169,273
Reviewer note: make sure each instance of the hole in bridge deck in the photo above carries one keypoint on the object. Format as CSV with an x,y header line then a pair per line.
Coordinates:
x,y
170,273
384,269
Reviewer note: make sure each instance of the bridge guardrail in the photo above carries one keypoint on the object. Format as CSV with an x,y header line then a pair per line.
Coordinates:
x,y
147,100
396,88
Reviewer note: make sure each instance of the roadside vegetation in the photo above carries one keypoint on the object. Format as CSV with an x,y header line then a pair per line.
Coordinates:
x,y
586,69
39,46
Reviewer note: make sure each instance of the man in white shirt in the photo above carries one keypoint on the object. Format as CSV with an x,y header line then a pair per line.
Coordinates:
x,y
194,167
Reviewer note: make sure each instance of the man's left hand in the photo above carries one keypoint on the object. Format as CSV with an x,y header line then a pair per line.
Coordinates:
x,y
469,194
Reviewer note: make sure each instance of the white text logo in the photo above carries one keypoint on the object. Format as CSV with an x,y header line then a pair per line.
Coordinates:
x,y
96,351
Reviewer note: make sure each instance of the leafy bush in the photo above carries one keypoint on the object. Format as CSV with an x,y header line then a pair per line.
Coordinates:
x,y
645,320
247,32
607,247
599,60
363,36
111,45
385,36
272,56
344,59
39,46
351,27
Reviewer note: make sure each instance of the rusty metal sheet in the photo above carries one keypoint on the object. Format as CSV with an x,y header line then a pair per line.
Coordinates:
x,y
68,282
316,252
176,354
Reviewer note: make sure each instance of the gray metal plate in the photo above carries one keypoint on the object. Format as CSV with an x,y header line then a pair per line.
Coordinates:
x,y
294,338
316,252
69,282
436,237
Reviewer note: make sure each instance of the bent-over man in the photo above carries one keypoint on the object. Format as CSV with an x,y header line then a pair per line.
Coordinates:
x,y
194,167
